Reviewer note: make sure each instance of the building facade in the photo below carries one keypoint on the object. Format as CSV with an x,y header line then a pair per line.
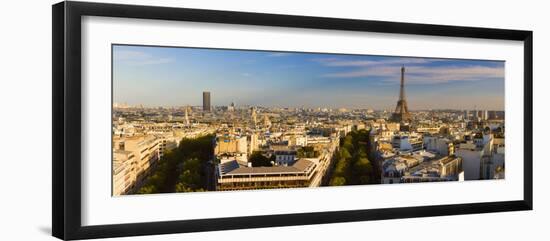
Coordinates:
x,y
206,105
234,176
133,159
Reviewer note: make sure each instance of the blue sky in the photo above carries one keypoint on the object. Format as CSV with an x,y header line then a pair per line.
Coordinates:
x,y
167,76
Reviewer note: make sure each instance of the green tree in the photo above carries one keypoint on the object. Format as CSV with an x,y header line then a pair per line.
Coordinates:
x,y
338,181
168,176
348,143
352,165
341,167
307,152
259,160
344,153
364,170
181,187
147,189
190,178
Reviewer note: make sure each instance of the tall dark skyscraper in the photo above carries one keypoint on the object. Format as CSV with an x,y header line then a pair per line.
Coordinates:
x,y
206,101
401,113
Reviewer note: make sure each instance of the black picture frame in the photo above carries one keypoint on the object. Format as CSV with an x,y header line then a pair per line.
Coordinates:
x,y
66,127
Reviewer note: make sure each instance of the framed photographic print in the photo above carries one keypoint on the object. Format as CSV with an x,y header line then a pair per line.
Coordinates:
x,y
170,120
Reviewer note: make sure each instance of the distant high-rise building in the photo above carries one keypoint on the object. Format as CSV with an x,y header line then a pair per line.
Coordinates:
x,y
401,113
206,101
187,115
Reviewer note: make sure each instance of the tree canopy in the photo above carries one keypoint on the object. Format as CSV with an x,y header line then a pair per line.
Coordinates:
x,y
259,160
181,169
307,152
352,165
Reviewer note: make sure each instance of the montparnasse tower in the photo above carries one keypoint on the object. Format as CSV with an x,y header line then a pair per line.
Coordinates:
x,y
401,113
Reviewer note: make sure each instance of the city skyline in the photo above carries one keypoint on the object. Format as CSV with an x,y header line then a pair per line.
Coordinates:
x,y
169,76
231,148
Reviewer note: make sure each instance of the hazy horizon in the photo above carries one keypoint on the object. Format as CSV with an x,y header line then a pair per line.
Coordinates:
x,y
173,76
297,107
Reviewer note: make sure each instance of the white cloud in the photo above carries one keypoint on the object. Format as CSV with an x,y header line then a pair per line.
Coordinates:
x,y
336,62
416,70
279,54
370,72
138,58
129,55
425,75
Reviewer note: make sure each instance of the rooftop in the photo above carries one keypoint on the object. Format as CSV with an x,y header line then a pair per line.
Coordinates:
x,y
233,168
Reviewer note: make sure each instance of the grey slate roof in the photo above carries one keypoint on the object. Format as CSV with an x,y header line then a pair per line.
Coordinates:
x,y
301,166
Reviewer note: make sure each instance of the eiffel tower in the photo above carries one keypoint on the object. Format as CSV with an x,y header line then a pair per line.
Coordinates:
x,y
401,113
